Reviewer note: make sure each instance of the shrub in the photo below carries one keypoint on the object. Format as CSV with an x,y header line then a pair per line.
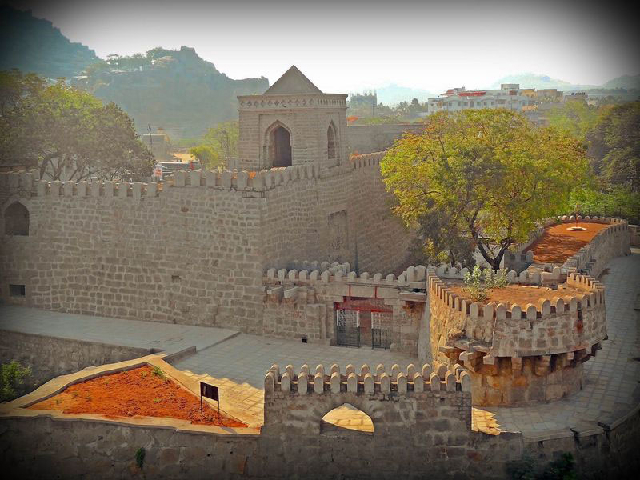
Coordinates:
x,y
478,282
140,454
11,379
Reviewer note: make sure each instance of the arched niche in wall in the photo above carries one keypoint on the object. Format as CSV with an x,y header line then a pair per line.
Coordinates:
x,y
348,417
332,145
16,219
277,145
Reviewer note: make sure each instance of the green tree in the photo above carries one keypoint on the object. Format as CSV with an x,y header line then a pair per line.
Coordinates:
x,y
70,134
219,145
207,156
614,146
490,173
575,117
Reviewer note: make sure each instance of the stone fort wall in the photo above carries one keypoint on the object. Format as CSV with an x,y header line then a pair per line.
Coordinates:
x,y
192,251
421,429
375,138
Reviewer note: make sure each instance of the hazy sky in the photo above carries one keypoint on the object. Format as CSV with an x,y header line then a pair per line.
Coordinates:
x,y
349,45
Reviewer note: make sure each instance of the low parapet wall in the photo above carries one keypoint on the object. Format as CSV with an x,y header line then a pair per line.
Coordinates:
x,y
394,401
50,357
613,241
519,354
609,243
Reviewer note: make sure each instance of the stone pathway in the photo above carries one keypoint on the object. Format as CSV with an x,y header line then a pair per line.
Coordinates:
x,y
167,337
612,379
246,358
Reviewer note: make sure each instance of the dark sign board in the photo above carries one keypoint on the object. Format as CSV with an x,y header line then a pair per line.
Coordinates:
x,y
209,391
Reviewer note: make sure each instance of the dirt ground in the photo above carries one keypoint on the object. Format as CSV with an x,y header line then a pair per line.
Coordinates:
x,y
517,294
143,391
557,243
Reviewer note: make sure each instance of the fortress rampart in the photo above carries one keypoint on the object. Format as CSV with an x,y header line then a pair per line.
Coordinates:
x,y
421,427
519,354
191,251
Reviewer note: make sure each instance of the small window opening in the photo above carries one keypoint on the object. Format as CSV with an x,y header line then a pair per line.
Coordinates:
x,y
16,219
19,291
347,417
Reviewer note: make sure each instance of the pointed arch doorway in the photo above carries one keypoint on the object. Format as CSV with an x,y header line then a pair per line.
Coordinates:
x,y
280,146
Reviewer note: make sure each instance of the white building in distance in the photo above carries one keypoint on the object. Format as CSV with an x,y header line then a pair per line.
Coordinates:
x,y
509,96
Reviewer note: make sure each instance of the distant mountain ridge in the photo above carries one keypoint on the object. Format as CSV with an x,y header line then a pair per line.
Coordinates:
x,y
35,45
541,82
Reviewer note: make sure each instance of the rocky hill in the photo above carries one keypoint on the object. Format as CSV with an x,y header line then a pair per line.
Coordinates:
x,y
35,45
173,89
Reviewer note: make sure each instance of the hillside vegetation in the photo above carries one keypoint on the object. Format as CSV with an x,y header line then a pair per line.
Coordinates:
x,y
173,89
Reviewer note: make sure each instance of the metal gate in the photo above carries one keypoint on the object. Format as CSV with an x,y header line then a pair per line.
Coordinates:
x,y
380,322
348,327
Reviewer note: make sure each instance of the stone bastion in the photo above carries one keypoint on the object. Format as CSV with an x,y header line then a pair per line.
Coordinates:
x,y
518,354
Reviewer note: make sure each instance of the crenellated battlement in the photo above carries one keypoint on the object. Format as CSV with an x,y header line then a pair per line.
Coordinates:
x,y
333,282
364,160
299,400
559,305
413,277
27,184
332,381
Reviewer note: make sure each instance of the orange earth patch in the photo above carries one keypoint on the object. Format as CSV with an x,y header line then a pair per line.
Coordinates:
x,y
517,294
557,243
140,392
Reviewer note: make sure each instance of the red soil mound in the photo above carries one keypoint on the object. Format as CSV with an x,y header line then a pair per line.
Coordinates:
x,y
557,243
143,391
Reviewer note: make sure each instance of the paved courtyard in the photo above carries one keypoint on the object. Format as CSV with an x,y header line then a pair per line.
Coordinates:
x,y
246,358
